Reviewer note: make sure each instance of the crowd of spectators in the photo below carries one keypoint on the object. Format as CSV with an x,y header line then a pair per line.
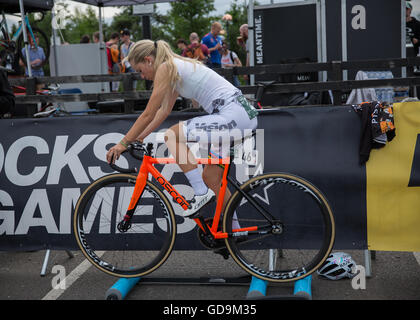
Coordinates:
x,y
212,49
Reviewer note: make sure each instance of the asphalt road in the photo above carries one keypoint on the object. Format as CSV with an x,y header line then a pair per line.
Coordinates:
x,y
395,276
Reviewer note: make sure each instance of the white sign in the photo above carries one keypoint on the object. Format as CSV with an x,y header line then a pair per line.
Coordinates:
x,y
143,9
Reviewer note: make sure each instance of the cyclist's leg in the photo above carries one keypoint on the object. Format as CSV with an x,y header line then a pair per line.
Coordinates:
x,y
212,176
176,142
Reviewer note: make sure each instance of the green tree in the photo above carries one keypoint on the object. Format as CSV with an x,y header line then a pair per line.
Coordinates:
x,y
126,19
81,23
186,17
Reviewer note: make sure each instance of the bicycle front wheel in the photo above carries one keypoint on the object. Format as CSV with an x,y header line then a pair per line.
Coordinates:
x,y
298,240
140,250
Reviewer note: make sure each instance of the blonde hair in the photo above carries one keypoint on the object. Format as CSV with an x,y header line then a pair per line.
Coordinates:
x,y
162,53
216,24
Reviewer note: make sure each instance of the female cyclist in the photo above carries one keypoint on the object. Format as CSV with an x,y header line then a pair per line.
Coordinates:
x,y
174,76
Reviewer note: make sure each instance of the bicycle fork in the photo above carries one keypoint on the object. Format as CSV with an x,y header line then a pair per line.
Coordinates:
x,y
146,168
125,224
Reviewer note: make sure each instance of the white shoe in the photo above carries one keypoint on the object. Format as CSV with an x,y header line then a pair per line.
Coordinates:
x,y
44,113
198,202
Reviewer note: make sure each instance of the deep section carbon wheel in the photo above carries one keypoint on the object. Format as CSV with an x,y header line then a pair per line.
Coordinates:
x,y
295,242
144,246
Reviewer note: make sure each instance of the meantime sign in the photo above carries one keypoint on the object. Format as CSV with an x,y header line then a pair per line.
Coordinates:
x,y
259,52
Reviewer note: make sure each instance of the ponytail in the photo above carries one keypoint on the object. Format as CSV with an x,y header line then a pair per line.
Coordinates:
x,y
162,53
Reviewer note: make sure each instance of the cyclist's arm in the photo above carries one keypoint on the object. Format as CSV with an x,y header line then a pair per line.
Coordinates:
x,y
160,89
164,111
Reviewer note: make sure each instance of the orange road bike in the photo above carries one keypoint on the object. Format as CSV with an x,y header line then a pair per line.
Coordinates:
x,y
125,223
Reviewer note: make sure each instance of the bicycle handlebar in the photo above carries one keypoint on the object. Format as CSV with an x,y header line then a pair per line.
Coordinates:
x,y
132,147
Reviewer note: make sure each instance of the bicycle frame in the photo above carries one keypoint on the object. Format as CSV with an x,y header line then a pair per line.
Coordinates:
x,y
147,167
25,21
20,30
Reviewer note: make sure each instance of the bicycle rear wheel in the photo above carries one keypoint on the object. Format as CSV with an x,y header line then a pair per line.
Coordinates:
x,y
8,52
140,250
299,241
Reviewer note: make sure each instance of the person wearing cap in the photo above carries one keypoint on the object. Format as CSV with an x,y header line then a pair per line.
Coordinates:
x,y
412,28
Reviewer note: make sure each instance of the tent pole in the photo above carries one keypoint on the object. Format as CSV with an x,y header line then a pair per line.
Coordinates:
x,y
54,31
101,36
25,38
101,43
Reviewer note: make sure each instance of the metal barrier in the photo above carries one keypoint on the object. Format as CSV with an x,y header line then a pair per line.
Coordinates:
x,y
334,70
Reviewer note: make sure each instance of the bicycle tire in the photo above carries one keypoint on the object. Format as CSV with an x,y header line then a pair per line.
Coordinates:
x,y
300,244
44,43
140,250
8,56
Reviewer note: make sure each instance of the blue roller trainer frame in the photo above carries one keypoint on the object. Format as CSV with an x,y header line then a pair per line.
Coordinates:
x,y
121,288
257,288
303,288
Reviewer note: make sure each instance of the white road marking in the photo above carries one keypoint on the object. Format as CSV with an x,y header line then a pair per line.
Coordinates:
x,y
54,294
417,256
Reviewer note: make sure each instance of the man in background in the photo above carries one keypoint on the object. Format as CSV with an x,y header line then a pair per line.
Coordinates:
x,y
197,50
214,43
182,45
36,58
95,37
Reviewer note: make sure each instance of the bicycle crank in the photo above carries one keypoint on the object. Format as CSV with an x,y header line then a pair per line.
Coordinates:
x,y
208,241
124,226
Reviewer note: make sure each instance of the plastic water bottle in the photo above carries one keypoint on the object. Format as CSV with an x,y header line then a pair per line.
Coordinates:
x,y
379,94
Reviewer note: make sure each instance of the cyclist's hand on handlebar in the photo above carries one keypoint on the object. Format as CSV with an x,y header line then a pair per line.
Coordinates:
x,y
115,152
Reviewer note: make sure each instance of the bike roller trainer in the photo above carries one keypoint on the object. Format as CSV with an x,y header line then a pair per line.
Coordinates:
x,y
123,286
302,290
257,287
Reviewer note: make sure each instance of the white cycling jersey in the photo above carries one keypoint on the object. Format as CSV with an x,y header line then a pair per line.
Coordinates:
x,y
230,113
202,84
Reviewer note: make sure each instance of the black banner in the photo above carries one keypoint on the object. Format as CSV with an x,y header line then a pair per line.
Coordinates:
x,y
45,164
